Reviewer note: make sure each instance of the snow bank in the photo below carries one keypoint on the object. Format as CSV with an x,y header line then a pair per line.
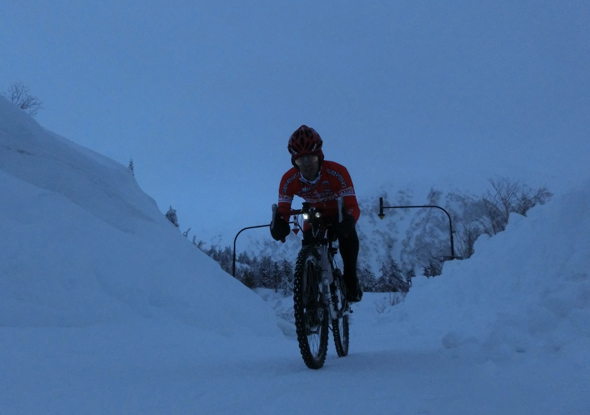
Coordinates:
x,y
526,289
82,244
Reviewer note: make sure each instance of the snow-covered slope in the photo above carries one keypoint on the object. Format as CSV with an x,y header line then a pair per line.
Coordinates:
x,y
525,290
83,244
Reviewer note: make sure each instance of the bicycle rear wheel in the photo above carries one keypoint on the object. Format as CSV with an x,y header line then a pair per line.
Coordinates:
x,y
311,314
340,325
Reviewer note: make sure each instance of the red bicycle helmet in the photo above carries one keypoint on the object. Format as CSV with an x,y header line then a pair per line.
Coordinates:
x,y
305,141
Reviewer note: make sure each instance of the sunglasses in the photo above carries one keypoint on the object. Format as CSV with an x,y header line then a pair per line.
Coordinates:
x,y
306,159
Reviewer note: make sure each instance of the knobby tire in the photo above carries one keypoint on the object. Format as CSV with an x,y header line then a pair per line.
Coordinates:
x,y
311,314
340,325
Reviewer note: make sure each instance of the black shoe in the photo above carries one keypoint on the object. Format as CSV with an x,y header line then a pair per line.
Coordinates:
x,y
354,296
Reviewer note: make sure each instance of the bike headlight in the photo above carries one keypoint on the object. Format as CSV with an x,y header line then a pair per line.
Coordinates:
x,y
305,216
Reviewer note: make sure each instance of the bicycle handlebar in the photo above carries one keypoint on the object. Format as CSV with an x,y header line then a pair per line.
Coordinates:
x,y
294,212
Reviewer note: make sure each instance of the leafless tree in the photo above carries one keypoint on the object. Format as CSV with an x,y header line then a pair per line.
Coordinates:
x,y
19,94
508,197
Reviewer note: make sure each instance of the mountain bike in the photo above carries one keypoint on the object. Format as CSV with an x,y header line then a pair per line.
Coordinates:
x,y
318,297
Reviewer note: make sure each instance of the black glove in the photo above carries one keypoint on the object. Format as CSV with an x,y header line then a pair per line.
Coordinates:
x,y
346,227
279,229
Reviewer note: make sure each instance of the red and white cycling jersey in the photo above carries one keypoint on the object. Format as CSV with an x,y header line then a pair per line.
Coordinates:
x,y
332,183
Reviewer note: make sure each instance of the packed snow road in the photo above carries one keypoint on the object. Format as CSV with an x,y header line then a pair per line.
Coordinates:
x,y
154,367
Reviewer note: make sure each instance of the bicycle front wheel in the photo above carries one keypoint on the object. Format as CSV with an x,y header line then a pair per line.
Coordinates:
x,y
311,314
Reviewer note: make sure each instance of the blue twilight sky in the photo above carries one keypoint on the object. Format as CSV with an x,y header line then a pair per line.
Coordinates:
x,y
203,95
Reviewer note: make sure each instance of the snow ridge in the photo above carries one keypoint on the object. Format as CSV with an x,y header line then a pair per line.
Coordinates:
x,y
83,244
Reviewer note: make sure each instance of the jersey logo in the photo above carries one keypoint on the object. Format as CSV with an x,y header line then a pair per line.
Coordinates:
x,y
285,199
338,176
347,192
288,182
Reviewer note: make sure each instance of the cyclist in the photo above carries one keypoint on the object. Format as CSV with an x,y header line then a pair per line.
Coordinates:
x,y
321,183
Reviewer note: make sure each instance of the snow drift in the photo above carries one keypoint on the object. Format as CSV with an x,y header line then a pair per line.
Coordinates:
x,y
525,290
83,244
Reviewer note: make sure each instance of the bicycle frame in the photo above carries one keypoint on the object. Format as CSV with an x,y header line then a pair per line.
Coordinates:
x,y
321,237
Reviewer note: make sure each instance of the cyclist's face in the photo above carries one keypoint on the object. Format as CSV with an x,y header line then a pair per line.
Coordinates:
x,y
309,166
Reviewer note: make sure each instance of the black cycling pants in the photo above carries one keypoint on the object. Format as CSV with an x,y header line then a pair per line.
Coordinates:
x,y
349,249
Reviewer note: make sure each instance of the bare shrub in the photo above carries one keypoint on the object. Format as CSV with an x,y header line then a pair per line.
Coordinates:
x,y
508,197
391,300
19,94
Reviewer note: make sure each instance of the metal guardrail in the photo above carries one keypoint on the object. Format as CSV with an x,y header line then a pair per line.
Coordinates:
x,y
451,232
236,238
381,216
